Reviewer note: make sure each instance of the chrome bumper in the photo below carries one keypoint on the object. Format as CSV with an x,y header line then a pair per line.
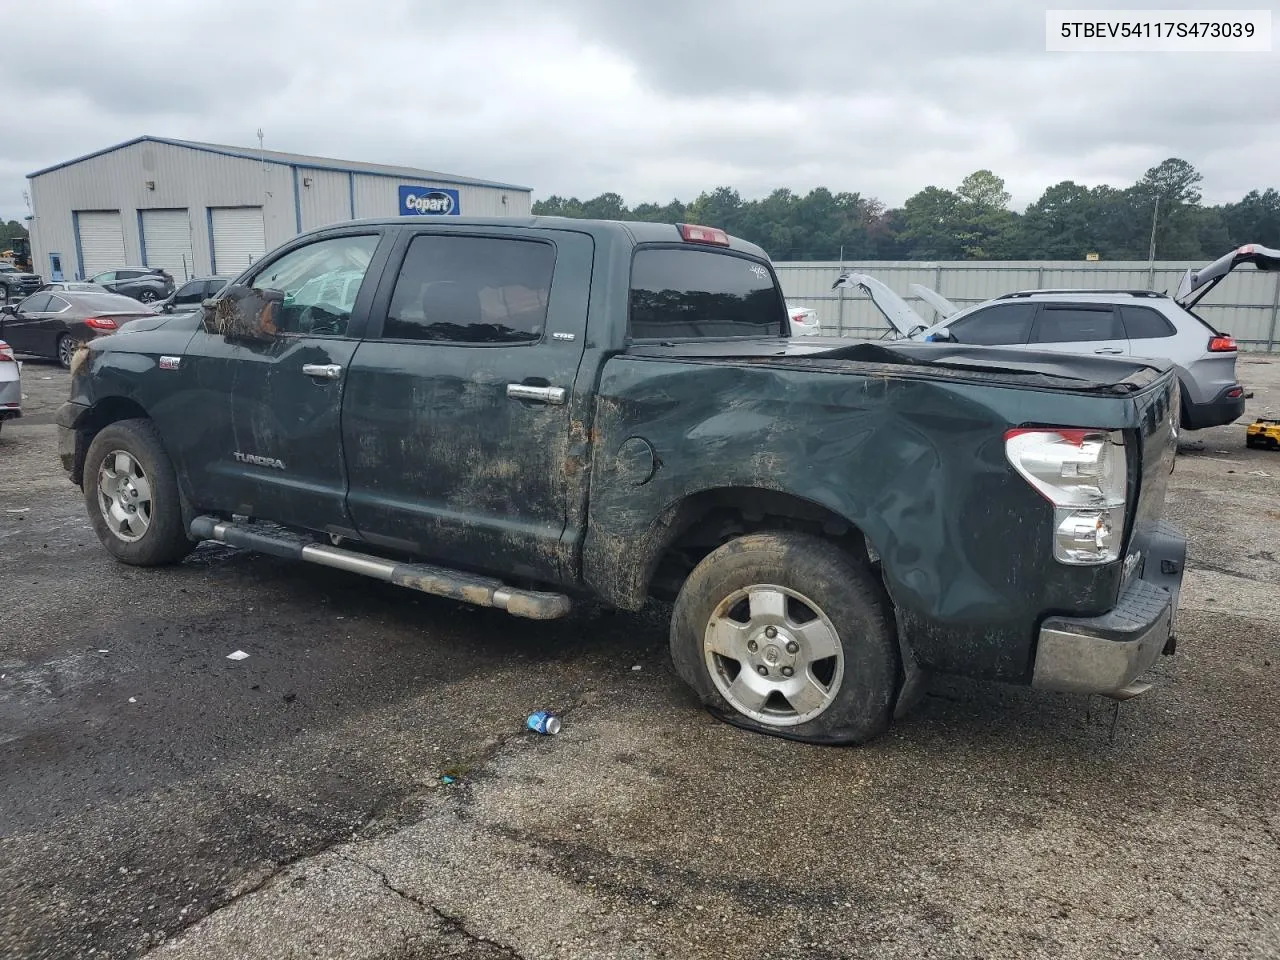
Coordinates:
x,y
1106,654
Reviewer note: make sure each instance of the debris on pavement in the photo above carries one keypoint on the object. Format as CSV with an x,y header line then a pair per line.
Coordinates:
x,y
545,722
238,655
18,510
133,699
446,779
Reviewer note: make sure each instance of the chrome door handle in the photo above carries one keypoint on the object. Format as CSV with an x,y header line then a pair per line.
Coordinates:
x,y
524,391
326,371
1108,350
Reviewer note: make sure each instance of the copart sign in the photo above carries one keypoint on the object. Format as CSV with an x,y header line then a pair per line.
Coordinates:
x,y
419,201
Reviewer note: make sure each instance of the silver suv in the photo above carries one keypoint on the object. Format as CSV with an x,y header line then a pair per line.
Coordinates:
x,y
1138,323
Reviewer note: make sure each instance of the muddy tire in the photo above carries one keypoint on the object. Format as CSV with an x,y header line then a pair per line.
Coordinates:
x,y
131,493
786,634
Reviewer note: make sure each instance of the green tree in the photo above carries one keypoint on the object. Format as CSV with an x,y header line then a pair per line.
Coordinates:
x,y
1255,219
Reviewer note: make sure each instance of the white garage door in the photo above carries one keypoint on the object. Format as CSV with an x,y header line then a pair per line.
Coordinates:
x,y
239,238
101,240
166,241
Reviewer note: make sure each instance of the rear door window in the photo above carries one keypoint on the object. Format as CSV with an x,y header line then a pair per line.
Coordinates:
x,y
38,303
1003,324
464,289
1143,323
681,293
1077,323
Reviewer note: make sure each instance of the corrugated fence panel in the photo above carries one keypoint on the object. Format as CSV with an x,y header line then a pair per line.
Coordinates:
x,y
1246,304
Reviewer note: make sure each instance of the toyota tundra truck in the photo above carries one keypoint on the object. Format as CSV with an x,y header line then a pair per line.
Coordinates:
x,y
527,413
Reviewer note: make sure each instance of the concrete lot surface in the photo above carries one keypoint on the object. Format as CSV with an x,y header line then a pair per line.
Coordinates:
x,y
159,799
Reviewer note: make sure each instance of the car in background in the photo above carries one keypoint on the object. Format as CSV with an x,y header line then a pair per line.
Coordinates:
x,y
1129,323
55,324
16,283
10,384
804,321
72,286
146,284
194,292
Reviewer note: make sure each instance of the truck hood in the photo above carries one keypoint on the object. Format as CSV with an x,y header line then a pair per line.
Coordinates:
x,y
1196,283
936,300
900,316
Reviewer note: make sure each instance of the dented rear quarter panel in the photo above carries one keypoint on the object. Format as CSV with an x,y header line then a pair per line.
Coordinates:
x,y
916,462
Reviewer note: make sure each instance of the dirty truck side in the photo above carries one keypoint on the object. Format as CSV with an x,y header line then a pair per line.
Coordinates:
x,y
524,413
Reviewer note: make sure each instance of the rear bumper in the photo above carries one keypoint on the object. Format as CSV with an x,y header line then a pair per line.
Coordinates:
x,y
1105,654
1222,409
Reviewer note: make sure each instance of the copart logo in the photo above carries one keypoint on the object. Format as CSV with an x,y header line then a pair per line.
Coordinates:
x,y
258,461
417,201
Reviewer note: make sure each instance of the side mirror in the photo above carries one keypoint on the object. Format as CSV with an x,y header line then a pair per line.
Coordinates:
x,y
942,336
244,314
10,309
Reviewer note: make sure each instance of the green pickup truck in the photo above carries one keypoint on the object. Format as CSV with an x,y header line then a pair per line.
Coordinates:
x,y
521,413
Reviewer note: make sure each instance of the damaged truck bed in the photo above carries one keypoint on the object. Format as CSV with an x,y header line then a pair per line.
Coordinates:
x,y
519,413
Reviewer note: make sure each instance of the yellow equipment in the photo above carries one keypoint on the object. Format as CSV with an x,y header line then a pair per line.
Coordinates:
x,y
1263,433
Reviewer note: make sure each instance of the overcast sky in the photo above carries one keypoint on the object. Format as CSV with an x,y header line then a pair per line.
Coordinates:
x,y
653,100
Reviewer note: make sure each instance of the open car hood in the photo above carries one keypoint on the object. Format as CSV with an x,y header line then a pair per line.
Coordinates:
x,y
1196,283
936,300
900,316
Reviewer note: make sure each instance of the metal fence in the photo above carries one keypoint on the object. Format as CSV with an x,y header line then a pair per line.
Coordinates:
x,y
1246,304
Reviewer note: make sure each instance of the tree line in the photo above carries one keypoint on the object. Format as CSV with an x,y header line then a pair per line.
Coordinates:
x,y
973,221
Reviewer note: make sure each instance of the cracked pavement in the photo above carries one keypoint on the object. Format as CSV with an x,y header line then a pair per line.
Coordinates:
x,y
157,799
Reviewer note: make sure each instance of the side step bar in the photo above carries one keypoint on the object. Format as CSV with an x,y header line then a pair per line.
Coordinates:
x,y
438,581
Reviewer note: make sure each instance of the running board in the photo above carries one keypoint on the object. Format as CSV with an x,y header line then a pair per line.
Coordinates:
x,y
438,581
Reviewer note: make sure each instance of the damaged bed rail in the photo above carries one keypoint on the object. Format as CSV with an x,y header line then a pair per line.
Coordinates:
x,y
438,581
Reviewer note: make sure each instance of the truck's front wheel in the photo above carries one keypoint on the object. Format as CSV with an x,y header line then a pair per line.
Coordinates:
x,y
131,493
786,634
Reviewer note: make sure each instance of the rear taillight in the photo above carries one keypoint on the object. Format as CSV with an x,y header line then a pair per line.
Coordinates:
x,y
692,233
1083,473
6,351
100,323
1222,345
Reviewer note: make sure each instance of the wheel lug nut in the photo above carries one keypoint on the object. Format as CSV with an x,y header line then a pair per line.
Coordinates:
x,y
752,646
770,632
793,647
787,671
762,670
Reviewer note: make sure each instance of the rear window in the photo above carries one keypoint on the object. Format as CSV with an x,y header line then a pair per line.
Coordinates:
x,y
108,301
681,294
1143,323
1077,324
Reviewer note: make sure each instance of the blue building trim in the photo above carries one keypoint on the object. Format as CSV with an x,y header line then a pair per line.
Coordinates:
x,y
408,173
75,229
297,201
142,241
213,257
351,185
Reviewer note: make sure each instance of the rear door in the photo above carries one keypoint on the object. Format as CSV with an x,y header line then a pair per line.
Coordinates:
x,y
456,418
1079,328
258,424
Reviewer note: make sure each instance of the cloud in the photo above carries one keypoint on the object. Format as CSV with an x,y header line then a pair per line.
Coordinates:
x,y
655,101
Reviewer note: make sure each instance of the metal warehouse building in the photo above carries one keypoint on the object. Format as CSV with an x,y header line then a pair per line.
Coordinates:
x,y
201,208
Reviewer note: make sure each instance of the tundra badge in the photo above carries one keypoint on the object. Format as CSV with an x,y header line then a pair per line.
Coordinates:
x,y
258,461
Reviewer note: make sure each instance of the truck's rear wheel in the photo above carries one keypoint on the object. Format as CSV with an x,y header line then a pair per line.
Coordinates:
x,y
131,493
786,634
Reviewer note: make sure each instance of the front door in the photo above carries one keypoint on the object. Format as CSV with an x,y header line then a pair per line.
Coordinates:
x,y
24,329
259,433
457,415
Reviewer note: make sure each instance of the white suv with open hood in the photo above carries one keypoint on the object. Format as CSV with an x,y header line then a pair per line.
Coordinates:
x,y
1137,323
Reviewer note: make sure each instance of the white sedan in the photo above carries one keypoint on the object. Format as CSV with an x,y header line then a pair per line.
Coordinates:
x,y
804,321
10,385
